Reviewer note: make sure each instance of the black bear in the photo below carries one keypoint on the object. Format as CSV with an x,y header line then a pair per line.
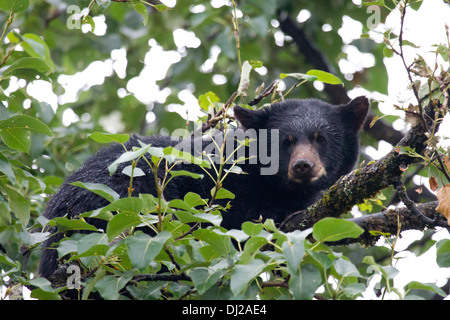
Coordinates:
x,y
303,147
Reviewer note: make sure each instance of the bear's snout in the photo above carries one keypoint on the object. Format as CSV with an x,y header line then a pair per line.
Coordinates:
x,y
305,165
302,167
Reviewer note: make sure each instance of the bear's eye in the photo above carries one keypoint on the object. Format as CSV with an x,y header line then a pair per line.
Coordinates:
x,y
320,138
290,140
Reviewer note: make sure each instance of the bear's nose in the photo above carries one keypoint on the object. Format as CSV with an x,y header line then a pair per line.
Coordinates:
x,y
302,167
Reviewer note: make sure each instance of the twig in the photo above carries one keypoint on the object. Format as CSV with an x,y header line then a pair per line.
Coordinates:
x,y
161,277
266,92
8,23
217,116
443,167
188,232
172,258
283,284
401,191
236,33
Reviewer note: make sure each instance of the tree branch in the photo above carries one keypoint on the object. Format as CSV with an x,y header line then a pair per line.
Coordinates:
x,y
387,222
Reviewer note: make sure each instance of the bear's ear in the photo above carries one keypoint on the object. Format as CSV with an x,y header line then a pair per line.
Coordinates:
x,y
249,119
355,112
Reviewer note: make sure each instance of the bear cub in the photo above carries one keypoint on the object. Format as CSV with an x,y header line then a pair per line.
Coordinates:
x,y
302,148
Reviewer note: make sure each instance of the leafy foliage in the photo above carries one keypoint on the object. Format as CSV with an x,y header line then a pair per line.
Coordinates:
x,y
189,255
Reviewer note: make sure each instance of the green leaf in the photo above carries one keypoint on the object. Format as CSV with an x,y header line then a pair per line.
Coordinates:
x,y
99,274
16,139
42,283
409,43
333,229
220,242
252,247
426,286
122,222
33,238
298,76
185,156
98,214
161,7
256,64
136,172
222,193
443,51
27,63
14,131
304,282
379,3
324,77
416,4
345,268
65,224
243,274
156,151
354,289
5,215
90,21
142,10
389,272
193,199
127,157
44,295
236,234
144,290
443,253
98,188
188,217
109,286
204,279
66,247
178,173
150,203
143,249
19,205
91,240
24,122
294,250
252,229
6,168
8,261
180,204
388,52
321,258
36,47
15,5
109,137
132,204
207,100
95,250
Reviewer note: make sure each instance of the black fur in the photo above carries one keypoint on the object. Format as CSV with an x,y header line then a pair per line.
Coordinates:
x,y
256,195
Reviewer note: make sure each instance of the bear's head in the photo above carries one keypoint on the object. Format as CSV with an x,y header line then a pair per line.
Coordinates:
x,y
316,142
